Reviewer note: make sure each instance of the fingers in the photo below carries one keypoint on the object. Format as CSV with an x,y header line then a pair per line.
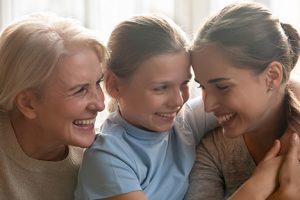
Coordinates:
x,y
289,175
293,149
274,151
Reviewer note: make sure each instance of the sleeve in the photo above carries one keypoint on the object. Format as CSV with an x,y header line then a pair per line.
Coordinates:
x,y
197,119
206,180
106,173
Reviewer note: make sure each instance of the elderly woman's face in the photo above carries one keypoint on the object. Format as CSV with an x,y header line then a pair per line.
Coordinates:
x,y
71,99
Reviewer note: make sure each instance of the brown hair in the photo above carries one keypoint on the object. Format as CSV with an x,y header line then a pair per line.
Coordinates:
x,y
252,37
139,38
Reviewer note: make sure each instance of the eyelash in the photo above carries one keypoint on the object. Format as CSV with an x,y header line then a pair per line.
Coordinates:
x,y
84,88
164,87
200,86
98,83
80,90
221,87
160,88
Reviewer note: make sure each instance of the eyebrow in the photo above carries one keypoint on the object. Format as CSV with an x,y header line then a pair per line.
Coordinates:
x,y
217,80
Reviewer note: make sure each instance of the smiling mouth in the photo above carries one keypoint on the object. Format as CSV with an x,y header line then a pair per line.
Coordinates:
x,y
224,118
167,115
84,122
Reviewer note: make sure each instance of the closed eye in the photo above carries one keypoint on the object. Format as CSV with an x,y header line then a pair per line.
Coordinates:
x,y
98,83
160,88
221,87
81,90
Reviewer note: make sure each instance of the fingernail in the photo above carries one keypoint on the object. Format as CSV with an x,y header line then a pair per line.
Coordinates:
x,y
295,137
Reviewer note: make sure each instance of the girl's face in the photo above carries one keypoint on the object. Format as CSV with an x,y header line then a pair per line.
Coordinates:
x,y
72,96
156,92
237,97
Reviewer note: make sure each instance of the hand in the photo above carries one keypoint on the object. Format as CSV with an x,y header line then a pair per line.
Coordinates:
x,y
289,175
285,141
263,182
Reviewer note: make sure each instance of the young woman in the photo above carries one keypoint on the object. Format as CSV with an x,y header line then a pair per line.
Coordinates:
x,y
242,58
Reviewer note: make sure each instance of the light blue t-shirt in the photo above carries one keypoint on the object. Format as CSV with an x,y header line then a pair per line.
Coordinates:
x,y
125,158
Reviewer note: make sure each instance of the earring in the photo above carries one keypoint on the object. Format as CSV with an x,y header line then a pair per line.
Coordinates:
x,y
270,89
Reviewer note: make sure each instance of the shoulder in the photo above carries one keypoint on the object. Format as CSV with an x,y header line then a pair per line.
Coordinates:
x,y
76,154
112,144
217,144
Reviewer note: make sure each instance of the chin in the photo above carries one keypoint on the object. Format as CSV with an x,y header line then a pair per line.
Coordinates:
x,y
230,133
86,143
163,129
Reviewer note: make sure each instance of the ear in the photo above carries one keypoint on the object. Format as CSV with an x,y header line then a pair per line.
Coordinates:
x,y
24,103
274,74
112,84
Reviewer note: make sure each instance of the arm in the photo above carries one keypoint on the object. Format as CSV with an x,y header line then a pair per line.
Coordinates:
x,y
206,180
107,172
130,196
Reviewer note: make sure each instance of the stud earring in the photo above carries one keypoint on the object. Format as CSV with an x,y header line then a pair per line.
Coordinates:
x,y
270,89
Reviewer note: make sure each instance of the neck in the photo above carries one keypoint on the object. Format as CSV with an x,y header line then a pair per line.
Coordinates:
x,y
261,140
35,144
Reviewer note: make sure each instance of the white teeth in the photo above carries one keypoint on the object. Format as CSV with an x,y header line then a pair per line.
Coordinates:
x,y
224,118
84,122
166,115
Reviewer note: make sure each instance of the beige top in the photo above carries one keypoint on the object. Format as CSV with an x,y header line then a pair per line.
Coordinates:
x,y
222,165
24,178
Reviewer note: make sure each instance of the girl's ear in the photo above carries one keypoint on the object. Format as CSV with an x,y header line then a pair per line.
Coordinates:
x,y
24,102
112,84
274,75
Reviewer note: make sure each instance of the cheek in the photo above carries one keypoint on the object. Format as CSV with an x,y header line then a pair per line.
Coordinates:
x,y
185,95
71,108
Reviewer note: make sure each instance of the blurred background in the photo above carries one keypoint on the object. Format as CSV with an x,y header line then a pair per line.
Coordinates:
x,y
102,15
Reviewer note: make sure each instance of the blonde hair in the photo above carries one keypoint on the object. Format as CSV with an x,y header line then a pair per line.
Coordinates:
x,y
30,49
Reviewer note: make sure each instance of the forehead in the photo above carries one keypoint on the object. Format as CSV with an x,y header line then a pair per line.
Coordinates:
x,y
78,65
167,65
210,58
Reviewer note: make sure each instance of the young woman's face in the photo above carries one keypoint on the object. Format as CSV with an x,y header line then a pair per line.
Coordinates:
x,y
156,92
238,97
71,98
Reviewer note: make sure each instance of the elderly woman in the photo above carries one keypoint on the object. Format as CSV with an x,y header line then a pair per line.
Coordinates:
x,y
50,94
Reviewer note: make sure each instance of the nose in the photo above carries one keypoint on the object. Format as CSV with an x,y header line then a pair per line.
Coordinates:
x,y
97,100
177,99
210,101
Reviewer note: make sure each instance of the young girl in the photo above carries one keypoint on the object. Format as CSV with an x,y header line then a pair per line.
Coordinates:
x,y
147,146
242,58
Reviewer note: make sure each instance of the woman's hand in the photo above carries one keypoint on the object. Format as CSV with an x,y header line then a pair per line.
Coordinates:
x,y
263,182
289,174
